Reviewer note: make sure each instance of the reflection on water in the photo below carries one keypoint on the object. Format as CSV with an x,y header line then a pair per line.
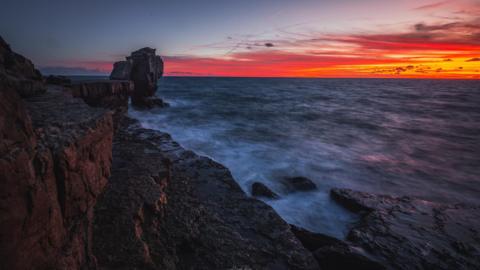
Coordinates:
x,y
402,137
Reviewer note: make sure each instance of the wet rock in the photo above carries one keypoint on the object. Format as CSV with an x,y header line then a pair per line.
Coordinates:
x,y
344,257
261,190
58,80
332,253
144,68
167,208
299,183
150,103
18,73
409,233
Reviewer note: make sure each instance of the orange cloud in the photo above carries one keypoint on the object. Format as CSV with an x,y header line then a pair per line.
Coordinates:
x,y
448,50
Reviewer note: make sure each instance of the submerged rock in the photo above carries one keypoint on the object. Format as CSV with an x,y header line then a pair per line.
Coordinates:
x,y
299,183
408,233
261,190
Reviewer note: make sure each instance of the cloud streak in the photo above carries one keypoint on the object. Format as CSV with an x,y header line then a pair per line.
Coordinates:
x,y
423,50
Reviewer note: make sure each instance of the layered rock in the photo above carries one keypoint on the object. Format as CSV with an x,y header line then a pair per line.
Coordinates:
x,y
113,95
55,157
167,208
144,68
408,233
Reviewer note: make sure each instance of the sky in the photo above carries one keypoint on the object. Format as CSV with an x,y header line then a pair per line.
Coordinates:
x,y
262,38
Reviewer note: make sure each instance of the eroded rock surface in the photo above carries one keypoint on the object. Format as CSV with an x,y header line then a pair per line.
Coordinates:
x,y
55,156
51,170
167,208
408,233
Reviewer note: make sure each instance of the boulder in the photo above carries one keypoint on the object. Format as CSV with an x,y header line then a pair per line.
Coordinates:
x,y
261,190
409,233
298,183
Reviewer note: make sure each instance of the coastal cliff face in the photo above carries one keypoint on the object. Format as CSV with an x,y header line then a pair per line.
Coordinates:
x,y
55,157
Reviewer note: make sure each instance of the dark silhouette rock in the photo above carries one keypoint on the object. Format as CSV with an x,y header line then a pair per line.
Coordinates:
x,y
18,73
260,190
121,70
144,68
409,233
167,208
298,183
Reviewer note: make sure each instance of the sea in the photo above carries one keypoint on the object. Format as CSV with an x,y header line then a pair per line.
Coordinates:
x,y
401,137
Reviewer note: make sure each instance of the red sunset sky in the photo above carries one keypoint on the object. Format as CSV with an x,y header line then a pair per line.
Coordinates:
x,y
304,38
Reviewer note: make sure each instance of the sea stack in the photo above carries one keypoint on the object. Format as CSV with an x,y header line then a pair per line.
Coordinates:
x,y
144,68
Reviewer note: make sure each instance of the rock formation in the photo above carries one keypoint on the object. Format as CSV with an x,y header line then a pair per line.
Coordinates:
x,y
408,233
144,68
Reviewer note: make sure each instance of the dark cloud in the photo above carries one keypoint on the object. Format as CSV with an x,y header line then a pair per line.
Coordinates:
x,y
476,59
447,60
269,45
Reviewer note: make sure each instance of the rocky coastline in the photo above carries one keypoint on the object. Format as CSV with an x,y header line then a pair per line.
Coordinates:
x,y
83,186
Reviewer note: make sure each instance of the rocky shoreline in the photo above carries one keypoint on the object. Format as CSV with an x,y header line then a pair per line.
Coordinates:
x,y
83,186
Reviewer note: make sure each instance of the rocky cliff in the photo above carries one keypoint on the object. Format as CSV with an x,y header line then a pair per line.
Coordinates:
x,y
55,158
